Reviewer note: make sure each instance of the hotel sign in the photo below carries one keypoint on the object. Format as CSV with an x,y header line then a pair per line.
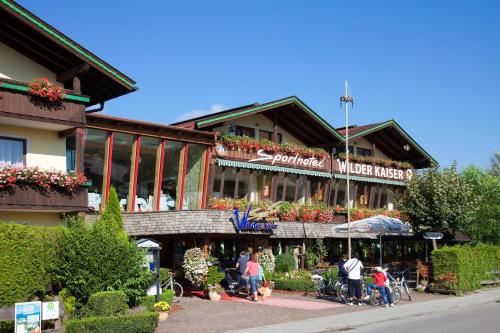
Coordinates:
x,y
246,224
295,160
371,170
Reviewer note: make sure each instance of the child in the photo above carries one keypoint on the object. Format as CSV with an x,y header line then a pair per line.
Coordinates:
x,y
262,282
379,279
387,285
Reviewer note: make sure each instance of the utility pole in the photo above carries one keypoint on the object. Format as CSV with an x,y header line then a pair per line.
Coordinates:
x,y
346,99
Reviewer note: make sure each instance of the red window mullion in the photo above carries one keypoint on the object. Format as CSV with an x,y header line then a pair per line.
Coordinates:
x,y
110,159
160,175
136,169
184,168
205,181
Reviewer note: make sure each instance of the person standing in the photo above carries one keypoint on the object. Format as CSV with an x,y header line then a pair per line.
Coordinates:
x,y
353,267
241,265
387,285
253,273
342,272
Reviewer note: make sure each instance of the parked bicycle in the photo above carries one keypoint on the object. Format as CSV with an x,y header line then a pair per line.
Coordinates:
x,y
175,287
331,287
377,299
399,281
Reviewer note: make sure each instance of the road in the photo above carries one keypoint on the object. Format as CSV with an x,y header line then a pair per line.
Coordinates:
x,y
477,313
483,318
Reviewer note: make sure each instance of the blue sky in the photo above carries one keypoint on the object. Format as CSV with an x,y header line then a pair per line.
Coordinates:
x,y
433,66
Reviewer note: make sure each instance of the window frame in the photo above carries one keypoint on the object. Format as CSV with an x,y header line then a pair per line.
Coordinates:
x,y
24,141
243,128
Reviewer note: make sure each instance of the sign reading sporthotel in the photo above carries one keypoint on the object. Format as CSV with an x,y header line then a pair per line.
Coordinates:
x,y
370,170
294,160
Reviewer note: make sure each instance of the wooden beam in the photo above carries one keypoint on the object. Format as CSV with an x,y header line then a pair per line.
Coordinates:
x,y
336,193
134,166
79,137
71,73
67,132
160,156
222,179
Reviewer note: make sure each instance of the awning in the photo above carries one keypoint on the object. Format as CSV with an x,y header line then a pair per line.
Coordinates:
x,y
268,167
379,224
370,180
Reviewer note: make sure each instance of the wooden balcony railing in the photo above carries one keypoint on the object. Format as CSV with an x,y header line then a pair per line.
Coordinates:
x,y
28,198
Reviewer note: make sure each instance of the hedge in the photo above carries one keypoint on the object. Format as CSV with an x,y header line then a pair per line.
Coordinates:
x,y
467,264
144,322
107,303
148,301
26,261
294,284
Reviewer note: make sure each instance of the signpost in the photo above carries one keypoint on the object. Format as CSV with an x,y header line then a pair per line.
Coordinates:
x,y
50,310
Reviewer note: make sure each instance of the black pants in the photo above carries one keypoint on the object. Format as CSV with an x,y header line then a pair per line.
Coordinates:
x,y
354,288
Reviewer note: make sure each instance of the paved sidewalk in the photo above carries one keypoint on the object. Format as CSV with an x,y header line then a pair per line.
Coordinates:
x,y
223,316
348,321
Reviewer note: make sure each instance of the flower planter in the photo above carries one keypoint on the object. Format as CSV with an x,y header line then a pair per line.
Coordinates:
x,y
162,316
443,291
213,296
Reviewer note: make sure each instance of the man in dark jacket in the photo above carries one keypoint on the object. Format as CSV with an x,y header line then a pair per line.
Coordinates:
x,y
342,271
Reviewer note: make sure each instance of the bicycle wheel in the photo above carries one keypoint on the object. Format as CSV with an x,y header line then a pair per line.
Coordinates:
x,y
396,295
178,292
375,298
344,293
407,290
320,289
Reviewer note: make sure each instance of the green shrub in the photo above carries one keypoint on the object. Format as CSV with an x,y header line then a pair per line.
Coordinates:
x,y
97,257
463,267
27,261
148,301
294,284
164,275
285,263
213,276
107,303
136,323
331,273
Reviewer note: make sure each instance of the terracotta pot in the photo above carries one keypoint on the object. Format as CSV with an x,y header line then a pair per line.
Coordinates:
x,y
163,316
214,296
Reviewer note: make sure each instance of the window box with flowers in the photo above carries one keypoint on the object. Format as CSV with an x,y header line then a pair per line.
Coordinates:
x,y
46,90
41,189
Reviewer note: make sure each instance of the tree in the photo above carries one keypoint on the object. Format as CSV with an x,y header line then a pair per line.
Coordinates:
x,y
485,227
495,164
100,257
439,200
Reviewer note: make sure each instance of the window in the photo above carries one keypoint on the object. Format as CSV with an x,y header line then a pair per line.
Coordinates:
x,y
291,181
193,185
229,183
245,131
70,153
146,171
12,151
93,164
268,135
121,166
363,152
243,179
170,176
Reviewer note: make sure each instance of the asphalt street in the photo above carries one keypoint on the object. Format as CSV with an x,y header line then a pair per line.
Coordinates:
x,y
482,318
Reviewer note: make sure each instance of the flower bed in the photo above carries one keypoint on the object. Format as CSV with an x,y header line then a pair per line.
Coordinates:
x,y
363,213
11,176
249,144
375,160
287,211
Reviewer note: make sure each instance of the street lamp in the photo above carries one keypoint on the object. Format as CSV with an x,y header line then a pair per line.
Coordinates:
x,y
346,99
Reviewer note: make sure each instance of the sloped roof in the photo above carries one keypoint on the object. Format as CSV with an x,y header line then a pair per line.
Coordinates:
x,y
28,34
294,114
383,130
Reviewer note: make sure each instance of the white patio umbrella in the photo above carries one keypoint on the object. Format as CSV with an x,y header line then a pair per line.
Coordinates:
x,y
381,225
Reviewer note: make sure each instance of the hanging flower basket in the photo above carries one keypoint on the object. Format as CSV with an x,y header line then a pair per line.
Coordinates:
x,y
47,90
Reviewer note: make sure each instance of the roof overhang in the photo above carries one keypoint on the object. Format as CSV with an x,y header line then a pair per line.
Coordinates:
x,y
39,41
391,138
292,115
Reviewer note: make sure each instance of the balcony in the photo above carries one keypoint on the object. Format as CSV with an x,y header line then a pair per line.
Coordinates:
x,y
26,198
16,102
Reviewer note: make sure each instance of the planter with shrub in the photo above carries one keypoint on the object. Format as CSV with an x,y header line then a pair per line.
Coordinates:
x,y
162,308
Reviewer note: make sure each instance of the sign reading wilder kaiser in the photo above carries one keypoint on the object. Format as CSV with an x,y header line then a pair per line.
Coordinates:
x,y
375,171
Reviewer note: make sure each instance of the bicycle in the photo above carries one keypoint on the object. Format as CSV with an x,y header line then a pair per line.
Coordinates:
x,y
400,283
376,298
326,287
175,287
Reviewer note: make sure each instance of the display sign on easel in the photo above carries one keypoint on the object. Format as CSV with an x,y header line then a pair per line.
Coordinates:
x,y
28,317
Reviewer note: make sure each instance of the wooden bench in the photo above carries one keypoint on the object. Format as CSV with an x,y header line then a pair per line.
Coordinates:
x,y
495,280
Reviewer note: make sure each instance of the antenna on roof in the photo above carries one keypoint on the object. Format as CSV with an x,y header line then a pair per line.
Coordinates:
x,y
346,99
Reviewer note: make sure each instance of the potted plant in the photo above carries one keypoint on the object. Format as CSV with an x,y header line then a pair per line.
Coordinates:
x,y
195,266
215,292
162,308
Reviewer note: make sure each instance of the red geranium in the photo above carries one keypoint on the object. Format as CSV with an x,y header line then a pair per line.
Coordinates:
x,y
42,87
